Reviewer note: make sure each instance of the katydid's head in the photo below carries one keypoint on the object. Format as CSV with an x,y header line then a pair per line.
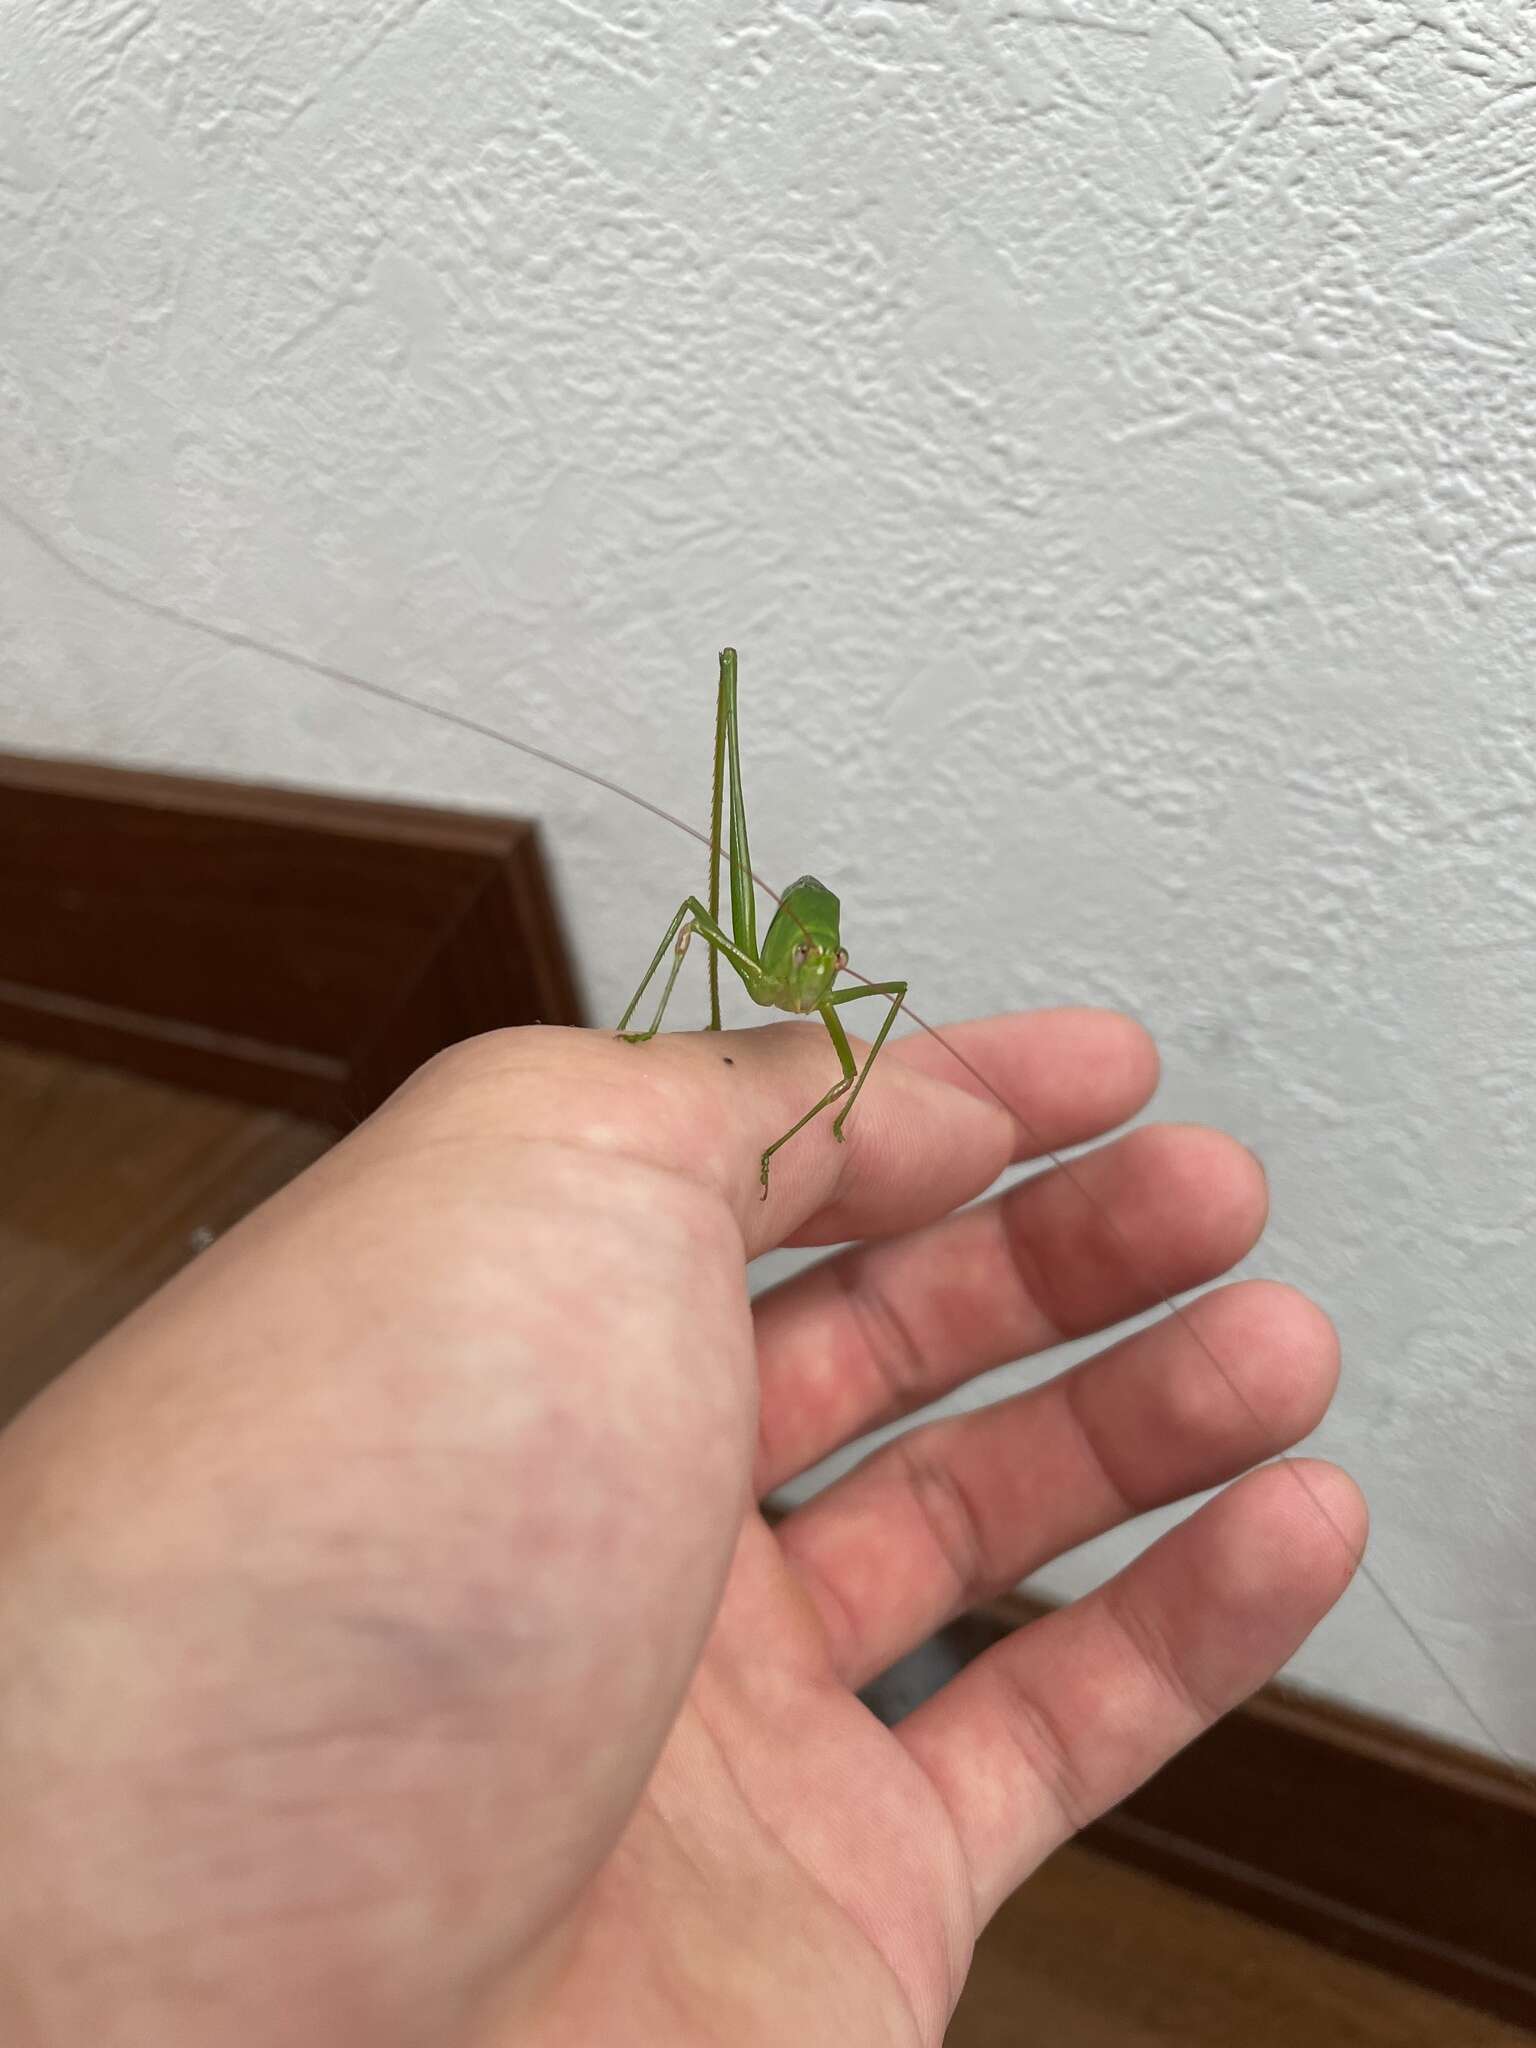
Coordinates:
x,y
802,955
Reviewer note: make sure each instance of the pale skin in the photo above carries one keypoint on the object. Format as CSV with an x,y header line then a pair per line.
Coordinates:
x,y
391,1647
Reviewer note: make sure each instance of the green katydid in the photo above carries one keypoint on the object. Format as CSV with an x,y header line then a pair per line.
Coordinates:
x,y
801,955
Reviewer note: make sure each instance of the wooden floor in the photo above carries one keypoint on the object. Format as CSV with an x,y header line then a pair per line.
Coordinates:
x,y
1091,1954
109,1183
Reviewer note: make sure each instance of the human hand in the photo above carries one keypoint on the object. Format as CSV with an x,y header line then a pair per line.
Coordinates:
x,y
393,1650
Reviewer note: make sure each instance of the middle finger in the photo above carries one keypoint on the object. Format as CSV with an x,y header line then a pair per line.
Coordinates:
x,y
879,1331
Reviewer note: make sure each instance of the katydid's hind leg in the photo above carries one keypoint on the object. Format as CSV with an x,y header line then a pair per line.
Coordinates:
x,y
839,1038
677,935
671,933
897,991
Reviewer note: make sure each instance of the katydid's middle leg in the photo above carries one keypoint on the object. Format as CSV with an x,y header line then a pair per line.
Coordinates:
x,y
853,1076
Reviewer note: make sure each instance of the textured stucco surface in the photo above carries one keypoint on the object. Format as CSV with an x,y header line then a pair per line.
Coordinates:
x,y
1107,433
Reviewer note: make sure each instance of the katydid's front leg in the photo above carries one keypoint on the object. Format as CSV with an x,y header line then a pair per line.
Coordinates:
x,y
897,991
853,1076
681,933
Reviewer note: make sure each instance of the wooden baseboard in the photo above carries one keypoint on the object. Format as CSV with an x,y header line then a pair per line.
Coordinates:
x,y
301,951
1382,1844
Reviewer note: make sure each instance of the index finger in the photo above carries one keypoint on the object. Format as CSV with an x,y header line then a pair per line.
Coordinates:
x,y
1073,1075
1058,1077
918,1143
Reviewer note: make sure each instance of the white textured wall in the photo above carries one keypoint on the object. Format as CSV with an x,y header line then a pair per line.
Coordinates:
x,y
1108,434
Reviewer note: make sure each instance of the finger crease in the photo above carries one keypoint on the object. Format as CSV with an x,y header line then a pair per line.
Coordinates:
x,y
1030,1274
1122,1501
842,1630
1046,1751
949,1515
1150,1646
898,1359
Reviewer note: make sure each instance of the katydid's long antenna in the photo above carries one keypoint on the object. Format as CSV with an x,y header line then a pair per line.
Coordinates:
x,y
329,672
384,693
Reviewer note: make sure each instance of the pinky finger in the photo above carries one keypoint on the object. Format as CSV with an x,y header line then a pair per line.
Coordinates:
x,y
1071,1713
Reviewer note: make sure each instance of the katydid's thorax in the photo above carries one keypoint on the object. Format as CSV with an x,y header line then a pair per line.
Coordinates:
x,y
801,953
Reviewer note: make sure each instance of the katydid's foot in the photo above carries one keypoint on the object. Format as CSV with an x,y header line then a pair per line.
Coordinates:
x,y
763,1174
635,1037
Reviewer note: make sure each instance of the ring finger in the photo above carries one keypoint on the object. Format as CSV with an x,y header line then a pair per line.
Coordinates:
x,y
974,1503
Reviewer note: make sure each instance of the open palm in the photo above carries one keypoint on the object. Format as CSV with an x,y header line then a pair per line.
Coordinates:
x,y
402,1655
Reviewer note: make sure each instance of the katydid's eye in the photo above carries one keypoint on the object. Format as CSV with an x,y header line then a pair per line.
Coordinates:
x,y
842,959
802,954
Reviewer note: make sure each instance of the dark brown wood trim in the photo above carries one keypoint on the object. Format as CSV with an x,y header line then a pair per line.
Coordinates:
x,y
286,947
1376,1841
